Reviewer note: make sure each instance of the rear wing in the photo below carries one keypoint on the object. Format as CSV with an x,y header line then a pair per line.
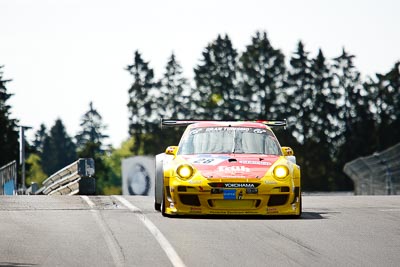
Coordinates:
x,y
172,123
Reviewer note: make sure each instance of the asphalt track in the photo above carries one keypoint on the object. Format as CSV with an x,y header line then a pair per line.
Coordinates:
x,y
126,231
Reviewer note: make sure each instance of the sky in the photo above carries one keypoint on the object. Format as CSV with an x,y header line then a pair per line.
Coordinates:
x,y
63,54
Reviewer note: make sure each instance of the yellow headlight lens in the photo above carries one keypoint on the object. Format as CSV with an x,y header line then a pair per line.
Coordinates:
x,y
185,171
281,172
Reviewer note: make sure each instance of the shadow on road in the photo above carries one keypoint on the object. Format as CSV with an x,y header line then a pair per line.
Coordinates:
x,y
304,216
15,264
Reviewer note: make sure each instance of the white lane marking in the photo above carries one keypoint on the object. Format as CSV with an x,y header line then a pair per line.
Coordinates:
x,y
161,239
111,242
88,201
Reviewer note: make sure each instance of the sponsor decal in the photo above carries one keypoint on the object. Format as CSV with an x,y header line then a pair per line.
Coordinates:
x,y
259,131
233,169
239,185
272,210
253,162
227,129
217,190
234,185
230,194
270,182
251,190
225,166
195,210
207,160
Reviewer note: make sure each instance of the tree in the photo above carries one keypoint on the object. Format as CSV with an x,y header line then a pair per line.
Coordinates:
x,y
217,95
113,161
92,128
40,136
58,149
141,104
8,126
34,172
262,71
385,99
355,118
174,99
300,94
173,102
393,86
326,96
324,124
311,109
355,114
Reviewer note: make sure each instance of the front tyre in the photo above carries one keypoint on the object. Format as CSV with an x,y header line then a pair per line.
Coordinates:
x,y
158,185
162,206
157,206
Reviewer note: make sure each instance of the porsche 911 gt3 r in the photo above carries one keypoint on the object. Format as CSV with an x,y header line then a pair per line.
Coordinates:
x,y
227,167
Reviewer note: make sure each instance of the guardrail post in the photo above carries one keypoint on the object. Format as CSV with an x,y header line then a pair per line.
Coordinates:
x,y
87,183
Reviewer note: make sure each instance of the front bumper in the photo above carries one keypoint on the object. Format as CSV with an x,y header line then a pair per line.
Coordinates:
x,y
240,198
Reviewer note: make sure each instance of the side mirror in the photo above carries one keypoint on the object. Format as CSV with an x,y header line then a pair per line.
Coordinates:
x,y
171,150
287,151
289,154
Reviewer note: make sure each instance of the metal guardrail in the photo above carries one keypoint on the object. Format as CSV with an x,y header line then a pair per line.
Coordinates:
x,y
8,179
378,174
76,178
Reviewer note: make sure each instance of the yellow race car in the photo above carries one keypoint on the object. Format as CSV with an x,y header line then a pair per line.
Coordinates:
x,y
227,168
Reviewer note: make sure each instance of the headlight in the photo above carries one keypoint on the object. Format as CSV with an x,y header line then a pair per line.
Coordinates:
x,y
185,171
281,171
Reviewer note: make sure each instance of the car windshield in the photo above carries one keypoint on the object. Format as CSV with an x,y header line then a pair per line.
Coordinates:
x,y
227,140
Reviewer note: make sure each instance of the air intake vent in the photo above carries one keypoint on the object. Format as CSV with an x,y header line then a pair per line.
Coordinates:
x,y
277,200
190,200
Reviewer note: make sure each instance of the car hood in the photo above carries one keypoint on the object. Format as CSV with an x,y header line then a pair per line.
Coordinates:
x,y
232,165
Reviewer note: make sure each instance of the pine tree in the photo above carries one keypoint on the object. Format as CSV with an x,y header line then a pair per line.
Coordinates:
x,y
355,117
312,114
92,130
58,149
300,95
324,125
141,100
354,114
174,100
217,95
325,97
262,71
8,126
393,85
40,136
385,90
